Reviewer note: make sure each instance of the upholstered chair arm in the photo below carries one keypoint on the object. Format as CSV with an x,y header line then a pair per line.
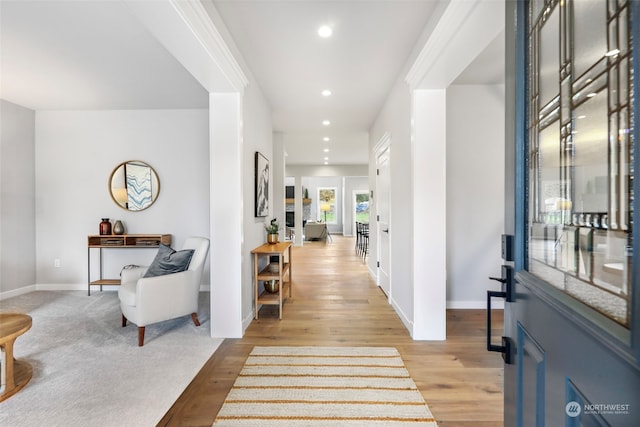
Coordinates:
x,y
132,274
166,297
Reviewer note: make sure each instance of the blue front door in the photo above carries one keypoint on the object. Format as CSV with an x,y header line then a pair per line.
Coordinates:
x,y
572,185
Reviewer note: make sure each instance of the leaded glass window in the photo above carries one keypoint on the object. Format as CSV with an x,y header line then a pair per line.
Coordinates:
x,y
581,150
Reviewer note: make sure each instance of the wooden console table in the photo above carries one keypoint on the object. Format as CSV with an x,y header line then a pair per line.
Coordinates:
x,y
15,374
283,251
124,241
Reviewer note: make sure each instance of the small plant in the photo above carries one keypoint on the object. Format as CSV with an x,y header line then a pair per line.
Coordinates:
x,y
273,227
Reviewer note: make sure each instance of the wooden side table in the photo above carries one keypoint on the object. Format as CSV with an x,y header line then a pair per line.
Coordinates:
x,y
15,374
121,241
283,251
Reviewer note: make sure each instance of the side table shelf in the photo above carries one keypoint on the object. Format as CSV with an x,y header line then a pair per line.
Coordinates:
x,y
283,251
124,241
268,298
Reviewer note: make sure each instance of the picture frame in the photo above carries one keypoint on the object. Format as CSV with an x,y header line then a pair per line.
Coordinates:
x,y
261,185
138,185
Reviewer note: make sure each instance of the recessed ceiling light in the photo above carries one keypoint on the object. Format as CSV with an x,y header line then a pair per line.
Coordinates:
x,y
326,150
326,158
326,163
326,139
325,31
326,92
326,122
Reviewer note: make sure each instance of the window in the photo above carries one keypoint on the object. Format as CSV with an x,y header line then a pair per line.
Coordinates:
x,y
361,206
580,151
327,204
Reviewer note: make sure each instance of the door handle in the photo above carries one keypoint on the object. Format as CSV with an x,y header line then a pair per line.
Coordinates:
x,y
505,348
507,281
385,231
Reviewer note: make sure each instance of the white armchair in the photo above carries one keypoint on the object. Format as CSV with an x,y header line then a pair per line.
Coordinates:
x,y
145,301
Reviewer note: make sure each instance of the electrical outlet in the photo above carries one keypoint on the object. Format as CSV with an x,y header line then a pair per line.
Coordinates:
x,y
56,263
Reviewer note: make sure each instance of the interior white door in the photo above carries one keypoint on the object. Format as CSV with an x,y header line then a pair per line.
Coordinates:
x,y
383,214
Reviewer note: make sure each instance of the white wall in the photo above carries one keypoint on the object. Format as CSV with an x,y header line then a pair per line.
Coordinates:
x,y
17,198
475,191
75,154
395,118
475,139
321,170
257,136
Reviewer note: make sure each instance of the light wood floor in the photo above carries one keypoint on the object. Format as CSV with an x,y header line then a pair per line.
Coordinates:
x,y
334,303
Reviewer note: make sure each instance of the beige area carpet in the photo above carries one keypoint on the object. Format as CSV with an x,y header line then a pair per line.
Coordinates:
x,y
89,371
324,386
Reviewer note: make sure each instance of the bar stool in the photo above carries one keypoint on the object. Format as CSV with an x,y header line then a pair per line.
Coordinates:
x,y
364,230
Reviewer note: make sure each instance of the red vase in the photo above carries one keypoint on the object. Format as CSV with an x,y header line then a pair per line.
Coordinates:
x,y
105,227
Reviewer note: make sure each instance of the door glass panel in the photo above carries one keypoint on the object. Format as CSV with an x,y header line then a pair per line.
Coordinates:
x,y
581,152
590,153
589,24
549,57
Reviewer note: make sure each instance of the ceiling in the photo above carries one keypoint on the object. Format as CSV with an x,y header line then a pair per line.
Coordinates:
x,y
87,55
90,54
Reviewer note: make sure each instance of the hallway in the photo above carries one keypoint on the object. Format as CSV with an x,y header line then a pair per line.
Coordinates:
x,y
336,303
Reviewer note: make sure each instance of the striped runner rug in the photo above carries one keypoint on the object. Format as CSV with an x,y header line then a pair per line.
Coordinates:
x,y
324,386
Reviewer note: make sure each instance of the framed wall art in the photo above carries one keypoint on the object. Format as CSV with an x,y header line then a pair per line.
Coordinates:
x,y
262,185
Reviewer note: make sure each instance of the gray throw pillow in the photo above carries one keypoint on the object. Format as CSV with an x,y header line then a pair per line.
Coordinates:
x,y
168,261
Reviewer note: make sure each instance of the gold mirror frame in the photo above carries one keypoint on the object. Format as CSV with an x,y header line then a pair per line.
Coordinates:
x,y
134,185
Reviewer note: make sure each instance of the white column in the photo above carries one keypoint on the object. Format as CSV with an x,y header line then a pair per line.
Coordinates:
x,y
226,206
299,211
429,214
278,203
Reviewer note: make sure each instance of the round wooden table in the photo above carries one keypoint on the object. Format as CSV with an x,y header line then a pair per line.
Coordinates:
x,y
15,374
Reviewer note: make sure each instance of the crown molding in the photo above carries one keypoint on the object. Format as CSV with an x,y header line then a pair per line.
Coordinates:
x,y
448,26
186,30
196,17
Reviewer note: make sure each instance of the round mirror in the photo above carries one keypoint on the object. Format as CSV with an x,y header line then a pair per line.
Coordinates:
x,y
134,185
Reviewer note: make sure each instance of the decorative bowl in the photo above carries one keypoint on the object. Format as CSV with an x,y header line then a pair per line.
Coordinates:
x,y
272,286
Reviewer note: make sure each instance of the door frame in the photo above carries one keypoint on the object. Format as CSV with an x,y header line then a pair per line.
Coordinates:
x,y
383,145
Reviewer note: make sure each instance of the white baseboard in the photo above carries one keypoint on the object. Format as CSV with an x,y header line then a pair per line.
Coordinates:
x,y
67,287
408,323
247,321
16,292
373,273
